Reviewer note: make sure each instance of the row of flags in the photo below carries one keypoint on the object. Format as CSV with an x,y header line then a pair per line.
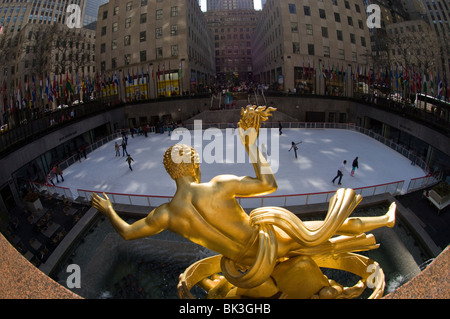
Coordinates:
x,y
404,79
48,89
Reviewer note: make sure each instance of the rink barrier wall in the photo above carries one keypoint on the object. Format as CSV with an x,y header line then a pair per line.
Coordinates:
x,y
394,188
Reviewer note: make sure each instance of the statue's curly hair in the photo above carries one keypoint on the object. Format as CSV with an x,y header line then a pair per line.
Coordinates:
x,y
181,160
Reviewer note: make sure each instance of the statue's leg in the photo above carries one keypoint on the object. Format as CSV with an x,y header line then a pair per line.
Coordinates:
x,y
359,225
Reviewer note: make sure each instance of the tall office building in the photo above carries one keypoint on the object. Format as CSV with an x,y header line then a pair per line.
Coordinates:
x,y
311,46
232,31
166,43
213,5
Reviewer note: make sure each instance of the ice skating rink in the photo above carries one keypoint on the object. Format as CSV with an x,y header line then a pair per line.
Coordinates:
x,y
319,156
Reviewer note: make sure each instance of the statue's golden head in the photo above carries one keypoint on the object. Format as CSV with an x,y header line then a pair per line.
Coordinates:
x,y
181,160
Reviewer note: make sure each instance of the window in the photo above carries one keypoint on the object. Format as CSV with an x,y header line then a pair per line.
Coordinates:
x,y
158,33
174,11
143,18
337,17
127,40
341,54
173,30
103,32
294,27
352,38
326,51
325,32
115,26
129,6
363,41
174,50
142,36
159,52
127,23
159,14
307,10
311,49
143,56
105,15
116,11
309,29
295,47
113,44
292,8
144,3
127,59
114,63
350,21
322,14
339,35
102,48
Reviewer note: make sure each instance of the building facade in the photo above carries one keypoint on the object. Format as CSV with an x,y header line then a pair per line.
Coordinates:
x,y
213,5
232,31
311,46
156,48
39,49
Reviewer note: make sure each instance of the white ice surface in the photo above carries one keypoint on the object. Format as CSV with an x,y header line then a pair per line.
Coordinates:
x,y
319,156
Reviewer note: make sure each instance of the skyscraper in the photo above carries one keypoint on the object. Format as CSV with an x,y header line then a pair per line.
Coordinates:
x,y
213,5
91,10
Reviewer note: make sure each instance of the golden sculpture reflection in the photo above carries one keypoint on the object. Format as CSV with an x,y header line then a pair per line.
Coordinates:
x,y
269,253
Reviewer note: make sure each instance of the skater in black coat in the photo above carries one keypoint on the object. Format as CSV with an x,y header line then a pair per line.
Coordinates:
x,y
354,166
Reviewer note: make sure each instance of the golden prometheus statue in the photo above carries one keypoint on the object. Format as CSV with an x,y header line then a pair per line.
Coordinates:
x,y
269,253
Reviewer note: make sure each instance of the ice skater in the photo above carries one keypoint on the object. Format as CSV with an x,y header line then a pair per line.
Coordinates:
x,y
129,160
354,166
117,148
340,172
280,128
294,146
124,148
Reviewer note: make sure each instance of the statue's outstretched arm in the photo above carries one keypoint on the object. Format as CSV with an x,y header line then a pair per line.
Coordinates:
x,y
154,223
249,126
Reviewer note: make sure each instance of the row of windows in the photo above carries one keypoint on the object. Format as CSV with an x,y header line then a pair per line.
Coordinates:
x,y
326,52
142,57
339,33
307,9
158,13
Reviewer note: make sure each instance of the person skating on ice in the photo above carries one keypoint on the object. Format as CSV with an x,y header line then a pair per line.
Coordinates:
x,y
129,160
340,172
117,148
294,146
354,166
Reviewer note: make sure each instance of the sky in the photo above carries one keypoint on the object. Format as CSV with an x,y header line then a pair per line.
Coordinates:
x,y
319,156
257,4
